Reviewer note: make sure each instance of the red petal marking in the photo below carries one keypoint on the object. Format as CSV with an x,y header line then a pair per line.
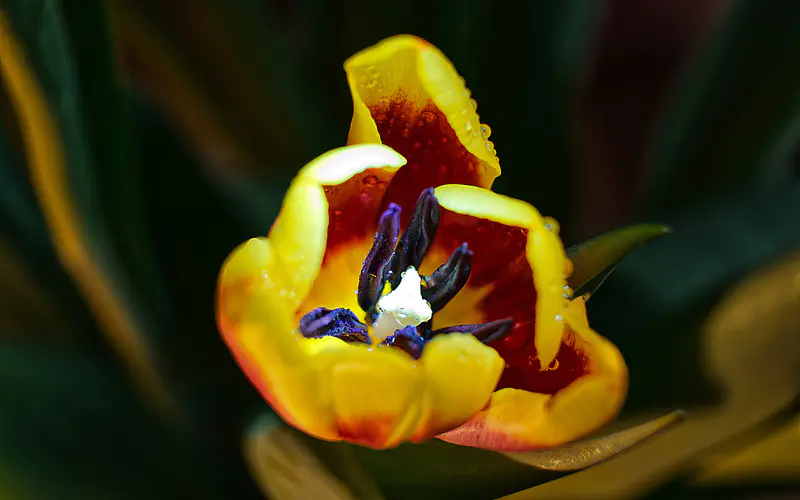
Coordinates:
x,y
422,134
353,207
500,259
372,431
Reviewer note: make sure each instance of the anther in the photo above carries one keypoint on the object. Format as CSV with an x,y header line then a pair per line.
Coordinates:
x,y
407,339
449,278
485,332
418,236
376,265
340,323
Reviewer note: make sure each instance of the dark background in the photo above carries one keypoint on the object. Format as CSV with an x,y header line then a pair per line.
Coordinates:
x,y
183,122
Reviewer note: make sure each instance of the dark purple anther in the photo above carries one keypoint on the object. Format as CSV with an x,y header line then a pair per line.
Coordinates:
x,y
485,332
376,265
418,236
340,323
449,278
407,339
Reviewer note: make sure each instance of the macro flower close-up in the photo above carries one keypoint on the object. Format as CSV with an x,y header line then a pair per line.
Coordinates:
x,y
398,298
265,249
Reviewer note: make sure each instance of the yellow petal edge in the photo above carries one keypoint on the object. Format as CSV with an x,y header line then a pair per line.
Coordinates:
x,y
411,65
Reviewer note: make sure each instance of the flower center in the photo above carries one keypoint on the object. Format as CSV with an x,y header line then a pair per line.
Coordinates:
x,y
402,317
403,306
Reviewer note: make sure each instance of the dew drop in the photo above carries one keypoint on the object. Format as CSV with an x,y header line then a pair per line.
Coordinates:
x,y
429,116
490,146
474,104
468,126
442,170
370,181
551,225
417,145
445,140
486,131
568,292
337,213
420,123
559,317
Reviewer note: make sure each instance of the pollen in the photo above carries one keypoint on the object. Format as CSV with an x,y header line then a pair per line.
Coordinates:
x,y
404,306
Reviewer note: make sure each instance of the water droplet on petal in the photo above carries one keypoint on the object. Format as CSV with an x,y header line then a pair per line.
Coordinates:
x,y
468,125
568,292
474,104
429,116
490,146
551,225
417,145
486,131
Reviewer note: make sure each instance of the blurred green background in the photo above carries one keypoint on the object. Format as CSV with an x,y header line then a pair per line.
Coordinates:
x,y
181,124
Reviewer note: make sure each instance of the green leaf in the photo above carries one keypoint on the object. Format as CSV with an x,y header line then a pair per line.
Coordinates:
x,y
46,87
71,428
588,452
284,467
35,292
758,377
227,73
735,108
653,304
596,258
433,469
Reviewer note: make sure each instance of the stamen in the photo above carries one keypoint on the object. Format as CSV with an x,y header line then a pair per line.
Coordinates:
x,y
418,236
376,265
340,323
485,332
407,339
449,278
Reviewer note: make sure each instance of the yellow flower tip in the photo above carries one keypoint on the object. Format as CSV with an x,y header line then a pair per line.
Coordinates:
x,y
407,95
341,164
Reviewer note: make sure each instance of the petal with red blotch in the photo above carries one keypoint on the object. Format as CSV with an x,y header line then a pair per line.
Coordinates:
x,y
518,420
408,96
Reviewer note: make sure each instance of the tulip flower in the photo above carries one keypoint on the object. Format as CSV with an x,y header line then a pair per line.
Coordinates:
x,y
397,298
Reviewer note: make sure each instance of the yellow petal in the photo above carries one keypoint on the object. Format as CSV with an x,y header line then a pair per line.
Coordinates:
x,y
545,254
408,69
517,420
375,394
461,373
257,323
300,232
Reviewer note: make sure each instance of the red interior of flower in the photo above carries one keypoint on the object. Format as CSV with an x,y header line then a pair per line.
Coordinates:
x,y
499,259
352,207
424,137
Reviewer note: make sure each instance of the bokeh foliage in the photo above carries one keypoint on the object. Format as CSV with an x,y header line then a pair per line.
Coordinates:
x,y
174,128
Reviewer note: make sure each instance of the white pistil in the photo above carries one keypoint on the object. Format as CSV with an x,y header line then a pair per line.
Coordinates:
x,y
404,306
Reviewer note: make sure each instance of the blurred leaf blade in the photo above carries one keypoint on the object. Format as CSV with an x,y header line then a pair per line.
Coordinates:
x,y
225,74
75,420
757,373
736,107
595,259
284,468
59,160
582,454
